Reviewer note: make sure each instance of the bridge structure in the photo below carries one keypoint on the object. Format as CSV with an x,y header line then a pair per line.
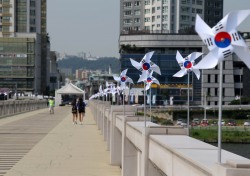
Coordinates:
x,y
155,150
111,142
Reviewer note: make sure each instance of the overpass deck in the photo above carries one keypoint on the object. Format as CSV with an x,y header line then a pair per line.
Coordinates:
x,y
38,144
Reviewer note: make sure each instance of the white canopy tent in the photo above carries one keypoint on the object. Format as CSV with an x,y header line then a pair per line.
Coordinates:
x,y
68,89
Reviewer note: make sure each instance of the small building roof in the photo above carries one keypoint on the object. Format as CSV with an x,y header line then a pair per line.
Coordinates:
x,y
70,89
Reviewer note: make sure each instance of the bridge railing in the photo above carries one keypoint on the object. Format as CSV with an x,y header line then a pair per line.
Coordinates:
x,y
8,108
145,149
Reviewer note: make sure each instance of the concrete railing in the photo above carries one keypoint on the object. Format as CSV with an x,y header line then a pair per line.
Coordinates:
x,y
8,108
155,150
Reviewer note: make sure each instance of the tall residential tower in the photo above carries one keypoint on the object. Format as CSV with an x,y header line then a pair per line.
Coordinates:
x,y
23,45
167,16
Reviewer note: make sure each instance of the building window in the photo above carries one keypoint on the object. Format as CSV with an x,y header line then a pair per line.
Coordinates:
x,y
158,8
165,9
184,18
164,18
147,19
147,2
128,13
224,78
216,78
153,18
208,78
153,9
127,5
199,11
164,26
137,12
137,3
147,11
199,2
164,1
208,91
137,20
215,91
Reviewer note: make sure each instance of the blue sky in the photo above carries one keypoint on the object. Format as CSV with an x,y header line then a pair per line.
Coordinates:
x,y
92,26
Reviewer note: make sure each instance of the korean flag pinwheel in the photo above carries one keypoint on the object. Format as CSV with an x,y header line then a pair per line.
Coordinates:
x,y
223,39
149,80
146,65
187,64
123,79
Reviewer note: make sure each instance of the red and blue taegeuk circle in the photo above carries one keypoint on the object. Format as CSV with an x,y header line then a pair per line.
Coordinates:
x,y
123,79
223,39
146,66
188,64
149,79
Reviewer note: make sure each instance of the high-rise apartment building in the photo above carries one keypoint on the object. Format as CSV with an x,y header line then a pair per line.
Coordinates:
x,y
23,21
167,16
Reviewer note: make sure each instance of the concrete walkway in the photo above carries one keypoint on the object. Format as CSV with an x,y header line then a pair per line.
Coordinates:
x,y
66,150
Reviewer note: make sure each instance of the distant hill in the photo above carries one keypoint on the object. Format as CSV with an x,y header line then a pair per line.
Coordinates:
x,y
75,63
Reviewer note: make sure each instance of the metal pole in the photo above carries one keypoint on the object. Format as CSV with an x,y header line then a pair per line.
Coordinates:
x,y
240,86
150,104
220,114
144,104
188,108
205,106
123,103
128,93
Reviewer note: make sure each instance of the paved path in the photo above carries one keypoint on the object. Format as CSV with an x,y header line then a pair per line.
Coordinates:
x,y
39,144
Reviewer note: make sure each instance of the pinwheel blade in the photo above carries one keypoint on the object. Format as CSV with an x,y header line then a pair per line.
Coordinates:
x,y
180,73
179,57
143,77
148,86
197,73
123,73
156,69
137,65
116,78
209,61
156,81
129,80
203,30
148,56
194,56
234,19
243,53
238,40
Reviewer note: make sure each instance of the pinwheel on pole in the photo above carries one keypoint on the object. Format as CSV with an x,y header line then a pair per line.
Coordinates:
x,y
149,80
146,66
222,40
187,65
123,79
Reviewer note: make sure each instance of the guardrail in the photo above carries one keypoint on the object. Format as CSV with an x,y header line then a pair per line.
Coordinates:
x,y
8,108
145,149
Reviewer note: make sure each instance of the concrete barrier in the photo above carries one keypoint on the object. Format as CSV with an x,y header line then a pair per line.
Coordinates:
x,y
9,108
148,149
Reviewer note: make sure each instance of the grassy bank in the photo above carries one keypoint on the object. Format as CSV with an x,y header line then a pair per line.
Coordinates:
x,y
228,136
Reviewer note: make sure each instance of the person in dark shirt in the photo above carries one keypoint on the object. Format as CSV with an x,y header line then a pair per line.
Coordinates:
x,y
74,111
81,109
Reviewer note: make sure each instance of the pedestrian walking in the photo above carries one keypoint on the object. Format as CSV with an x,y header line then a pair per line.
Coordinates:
x,y
51,105
81,109
74,111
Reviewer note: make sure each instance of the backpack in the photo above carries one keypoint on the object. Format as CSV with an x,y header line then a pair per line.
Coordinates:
x,y
74,109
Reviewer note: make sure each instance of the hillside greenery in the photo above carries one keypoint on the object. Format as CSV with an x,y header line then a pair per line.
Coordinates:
x,y
102,64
